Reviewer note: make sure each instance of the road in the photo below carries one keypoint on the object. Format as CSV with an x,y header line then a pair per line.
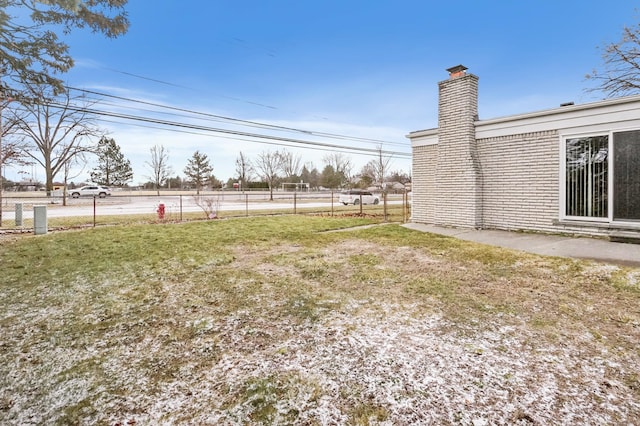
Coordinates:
x,y
174,204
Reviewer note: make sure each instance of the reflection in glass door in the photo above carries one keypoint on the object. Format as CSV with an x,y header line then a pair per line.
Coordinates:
x,y
626,180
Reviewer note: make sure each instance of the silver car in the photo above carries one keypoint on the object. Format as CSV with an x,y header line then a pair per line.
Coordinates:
x,y
356,196
92,191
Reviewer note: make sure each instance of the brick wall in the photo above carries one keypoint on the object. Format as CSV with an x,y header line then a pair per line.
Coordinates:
x,y
457,191
423,184
506,182
520,181
509,178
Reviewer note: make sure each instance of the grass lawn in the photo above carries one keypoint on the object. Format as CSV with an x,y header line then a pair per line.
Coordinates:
x,y
281,320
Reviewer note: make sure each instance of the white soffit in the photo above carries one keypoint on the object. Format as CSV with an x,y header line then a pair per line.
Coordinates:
x,y
598,116
423,138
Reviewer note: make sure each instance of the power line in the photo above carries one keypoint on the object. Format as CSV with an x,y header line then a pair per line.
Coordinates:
x,y
185,87
297,142
242,139
241,121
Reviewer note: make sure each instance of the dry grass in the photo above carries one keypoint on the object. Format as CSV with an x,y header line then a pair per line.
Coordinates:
x,y
275,321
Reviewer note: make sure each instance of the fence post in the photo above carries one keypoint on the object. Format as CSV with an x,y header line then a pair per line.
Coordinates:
x,y
360,203
294,202
405,205
180,207
246,204
332,203
384,202
18,211
94,211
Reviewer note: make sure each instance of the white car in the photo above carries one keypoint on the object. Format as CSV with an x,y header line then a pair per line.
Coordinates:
x,y
92,191
356,196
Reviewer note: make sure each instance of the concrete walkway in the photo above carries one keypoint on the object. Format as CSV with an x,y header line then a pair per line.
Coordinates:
x,y
550,245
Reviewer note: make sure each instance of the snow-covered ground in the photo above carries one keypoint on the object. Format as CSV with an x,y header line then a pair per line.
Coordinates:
x,y
397,368
185,356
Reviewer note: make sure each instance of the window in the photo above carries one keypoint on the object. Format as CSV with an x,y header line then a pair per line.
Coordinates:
x,y
587,177
602,177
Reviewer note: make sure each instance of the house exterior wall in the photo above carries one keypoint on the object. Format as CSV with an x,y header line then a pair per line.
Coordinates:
x,y
423,183
511,172
520,181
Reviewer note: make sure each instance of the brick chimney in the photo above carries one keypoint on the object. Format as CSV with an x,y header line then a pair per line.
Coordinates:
x,y
458,173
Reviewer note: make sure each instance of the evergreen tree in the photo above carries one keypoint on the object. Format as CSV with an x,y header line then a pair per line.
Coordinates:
x,y
310,175
198,170
174,182
31,52
330,178
113,168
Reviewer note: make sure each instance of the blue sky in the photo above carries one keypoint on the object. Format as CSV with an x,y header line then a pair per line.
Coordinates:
x,y
366,69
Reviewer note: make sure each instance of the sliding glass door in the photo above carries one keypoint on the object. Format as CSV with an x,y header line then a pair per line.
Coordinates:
x,y
600,186
626,176
587,177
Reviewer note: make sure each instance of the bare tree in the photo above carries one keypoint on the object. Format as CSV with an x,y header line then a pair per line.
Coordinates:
x,y
380,167
67,169
400,176
10,150
341,166
12,153
244,169
31,53
367,174
159,166
268,164
620,74
55,129
290,164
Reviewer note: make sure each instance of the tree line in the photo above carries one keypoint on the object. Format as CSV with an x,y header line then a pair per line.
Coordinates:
x,y
269,170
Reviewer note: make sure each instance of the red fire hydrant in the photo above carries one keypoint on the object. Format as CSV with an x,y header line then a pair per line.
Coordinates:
x,y
160,211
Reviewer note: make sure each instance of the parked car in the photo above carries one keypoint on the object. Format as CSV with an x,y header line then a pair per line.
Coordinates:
x,y
92,191
354,196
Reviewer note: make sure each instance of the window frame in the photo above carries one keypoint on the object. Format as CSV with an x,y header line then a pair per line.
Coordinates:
x,y
610,180
563,177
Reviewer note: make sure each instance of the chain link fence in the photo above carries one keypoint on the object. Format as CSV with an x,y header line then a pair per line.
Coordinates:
x,y
151,206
